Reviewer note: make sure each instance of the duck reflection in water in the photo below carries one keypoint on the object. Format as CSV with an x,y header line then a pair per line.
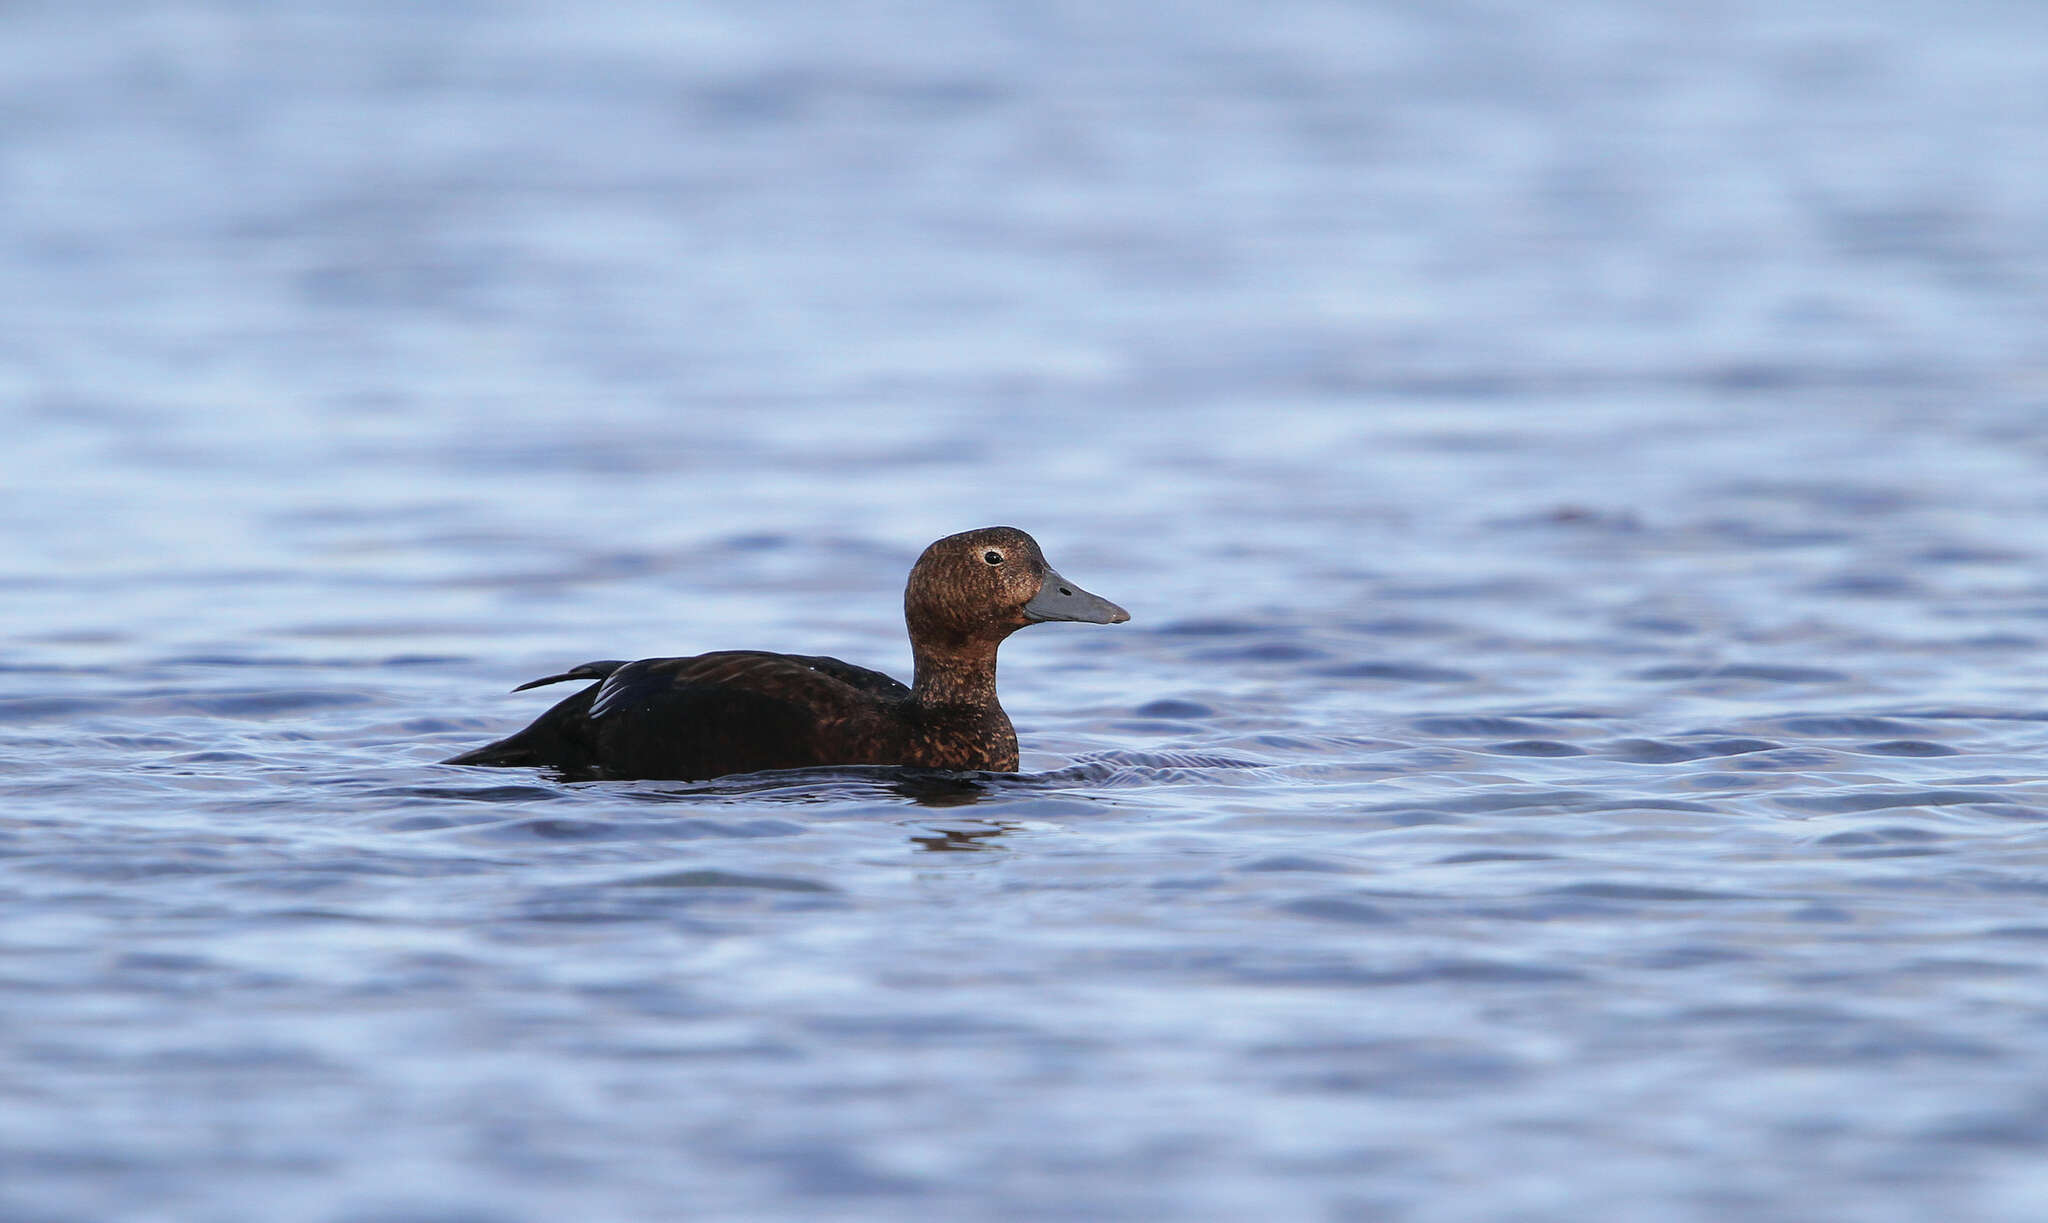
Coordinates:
x,y
962,840
932,788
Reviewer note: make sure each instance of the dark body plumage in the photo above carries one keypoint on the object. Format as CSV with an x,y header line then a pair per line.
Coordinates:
x,y
740,711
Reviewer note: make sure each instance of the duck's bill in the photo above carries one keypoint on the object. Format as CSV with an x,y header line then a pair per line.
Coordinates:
x,y
1060,599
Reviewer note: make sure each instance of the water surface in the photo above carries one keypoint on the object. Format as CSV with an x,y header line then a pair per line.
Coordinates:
x,y
1577,480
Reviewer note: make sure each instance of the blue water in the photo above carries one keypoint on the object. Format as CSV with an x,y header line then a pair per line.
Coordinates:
x,y
1579,475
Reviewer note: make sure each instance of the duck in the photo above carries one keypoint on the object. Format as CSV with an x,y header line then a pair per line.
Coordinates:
x,y
746,711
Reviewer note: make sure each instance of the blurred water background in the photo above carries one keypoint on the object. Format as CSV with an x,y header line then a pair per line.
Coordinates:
x,y
1577,472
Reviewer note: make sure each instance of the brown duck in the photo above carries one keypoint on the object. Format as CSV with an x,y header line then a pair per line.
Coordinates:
x,y
740,711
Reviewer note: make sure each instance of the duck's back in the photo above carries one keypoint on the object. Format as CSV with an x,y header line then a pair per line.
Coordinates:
x,y
734,711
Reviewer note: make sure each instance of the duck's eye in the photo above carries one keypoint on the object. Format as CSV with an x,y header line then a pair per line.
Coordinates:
x,y
993,557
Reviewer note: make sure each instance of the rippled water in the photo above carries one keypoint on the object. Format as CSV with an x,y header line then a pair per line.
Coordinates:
x,y
1580,750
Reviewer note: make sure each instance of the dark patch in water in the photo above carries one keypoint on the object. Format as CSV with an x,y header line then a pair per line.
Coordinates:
x,y
1505,800
1899,851
431,725
1652,751
1844,725
1417,817
555,829
1663,751
1456,726
1653,804
1883,800
1898,832
1493,855
1641,891
1663,626
761,541
1212,628
2000,641
37,708
1760,535
424,823
1401,626
1869,585
1966,554
1534,747
1856,500
1263,651
471,794
1908,747
1738,747
1693,956
1397,672
1787,758
723,879
1448,970
1340,909
1579,517
1755,671
1294,862
1171,708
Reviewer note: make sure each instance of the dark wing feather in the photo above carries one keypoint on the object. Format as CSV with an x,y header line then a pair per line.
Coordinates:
x,y
589,670
859,677
826,685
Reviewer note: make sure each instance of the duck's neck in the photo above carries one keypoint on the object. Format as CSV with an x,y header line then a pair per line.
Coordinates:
x,y
960,674
959,724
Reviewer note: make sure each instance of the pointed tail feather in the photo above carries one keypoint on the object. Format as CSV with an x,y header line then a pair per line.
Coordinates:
x,y
503,754
553,739
589,670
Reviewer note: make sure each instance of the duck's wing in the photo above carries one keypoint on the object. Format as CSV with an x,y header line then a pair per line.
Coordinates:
x,y
827,687
872,682
685,718
738,712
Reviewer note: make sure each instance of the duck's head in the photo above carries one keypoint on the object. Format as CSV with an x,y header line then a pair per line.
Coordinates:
x,y
984,585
